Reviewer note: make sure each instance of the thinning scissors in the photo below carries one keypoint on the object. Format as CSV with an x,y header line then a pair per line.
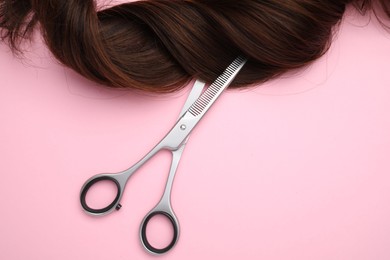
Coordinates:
x,y
193,110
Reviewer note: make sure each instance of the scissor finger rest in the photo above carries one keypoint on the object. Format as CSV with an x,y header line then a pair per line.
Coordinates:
x,y
89,184
143,233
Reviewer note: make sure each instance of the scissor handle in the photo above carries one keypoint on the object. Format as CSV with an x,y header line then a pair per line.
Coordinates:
x,y
175,224
89,183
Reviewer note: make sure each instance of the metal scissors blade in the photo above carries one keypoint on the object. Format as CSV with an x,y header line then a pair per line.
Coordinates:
x,y
196,91
198,109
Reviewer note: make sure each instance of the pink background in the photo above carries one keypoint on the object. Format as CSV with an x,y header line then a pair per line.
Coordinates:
x,y
297,168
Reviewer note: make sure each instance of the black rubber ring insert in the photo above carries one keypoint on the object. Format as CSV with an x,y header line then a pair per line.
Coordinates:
x,y
145,239
89,185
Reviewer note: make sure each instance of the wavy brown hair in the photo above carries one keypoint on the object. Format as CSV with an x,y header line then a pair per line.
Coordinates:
x,y
160,45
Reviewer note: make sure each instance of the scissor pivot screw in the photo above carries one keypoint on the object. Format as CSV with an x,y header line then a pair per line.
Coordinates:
x,y
183,127
118,207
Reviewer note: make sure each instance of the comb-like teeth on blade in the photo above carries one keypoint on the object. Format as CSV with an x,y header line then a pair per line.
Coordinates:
x,y
200,104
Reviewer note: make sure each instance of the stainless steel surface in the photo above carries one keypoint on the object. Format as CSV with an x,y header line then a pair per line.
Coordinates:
x,y
202,104
193,110
164,205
